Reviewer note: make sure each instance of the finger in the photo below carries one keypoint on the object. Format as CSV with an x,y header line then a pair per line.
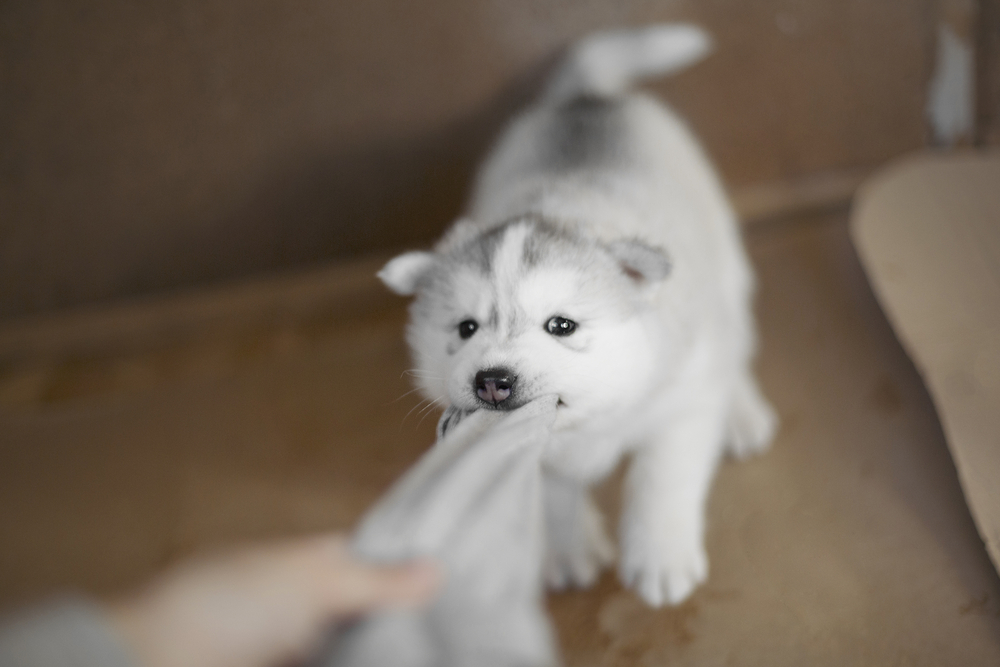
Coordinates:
x,y
356,587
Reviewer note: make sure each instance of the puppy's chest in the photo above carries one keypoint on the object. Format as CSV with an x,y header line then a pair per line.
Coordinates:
x,y
587,455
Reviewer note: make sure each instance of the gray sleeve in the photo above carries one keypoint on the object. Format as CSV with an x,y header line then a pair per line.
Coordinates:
x,y
70,632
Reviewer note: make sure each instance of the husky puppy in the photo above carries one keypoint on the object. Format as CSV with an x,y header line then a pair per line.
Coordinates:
x,y
600,261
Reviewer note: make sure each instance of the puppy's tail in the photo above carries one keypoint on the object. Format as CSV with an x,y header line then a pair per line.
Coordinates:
x,y
608,63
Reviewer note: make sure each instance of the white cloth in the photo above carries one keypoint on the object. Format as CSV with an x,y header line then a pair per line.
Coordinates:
x,y
474,503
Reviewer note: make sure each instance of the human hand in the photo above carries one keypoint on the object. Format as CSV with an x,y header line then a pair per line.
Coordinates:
x,y
261,606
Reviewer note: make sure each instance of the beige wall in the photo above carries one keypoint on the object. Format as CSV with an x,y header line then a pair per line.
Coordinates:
x,y
153,145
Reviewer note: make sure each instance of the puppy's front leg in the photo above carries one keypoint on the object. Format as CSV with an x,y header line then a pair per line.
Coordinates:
x,y
663,525
577,546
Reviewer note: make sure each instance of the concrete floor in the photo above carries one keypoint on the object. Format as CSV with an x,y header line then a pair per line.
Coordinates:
x,y
849,543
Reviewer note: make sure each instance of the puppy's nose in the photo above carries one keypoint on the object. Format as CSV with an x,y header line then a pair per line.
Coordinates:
x,y
494,385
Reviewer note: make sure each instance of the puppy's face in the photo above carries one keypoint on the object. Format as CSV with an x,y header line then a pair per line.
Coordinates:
x,y
527,310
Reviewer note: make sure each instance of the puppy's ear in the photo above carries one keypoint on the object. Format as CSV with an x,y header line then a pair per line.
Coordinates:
x,y
403,273
643,263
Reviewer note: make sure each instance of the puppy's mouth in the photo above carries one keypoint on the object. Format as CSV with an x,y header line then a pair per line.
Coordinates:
x,y
512,404
502,406
508,405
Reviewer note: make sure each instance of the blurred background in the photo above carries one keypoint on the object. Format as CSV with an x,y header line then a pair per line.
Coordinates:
x,y
148,146
194,351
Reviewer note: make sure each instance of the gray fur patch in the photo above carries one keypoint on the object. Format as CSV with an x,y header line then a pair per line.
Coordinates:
x,y
542,238
542,241
586,131
483,249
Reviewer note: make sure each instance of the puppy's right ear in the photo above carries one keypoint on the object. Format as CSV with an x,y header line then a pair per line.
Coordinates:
x,y
403,273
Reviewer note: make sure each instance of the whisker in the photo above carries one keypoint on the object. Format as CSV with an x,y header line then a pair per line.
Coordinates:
x,y
418,405
430,406
404,395
420,373
437,402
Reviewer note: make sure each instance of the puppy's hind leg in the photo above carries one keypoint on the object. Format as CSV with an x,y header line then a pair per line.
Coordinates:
x,y
577,545
752,420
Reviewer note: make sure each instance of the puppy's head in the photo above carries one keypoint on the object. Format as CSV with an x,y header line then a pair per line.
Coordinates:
x,y
529,309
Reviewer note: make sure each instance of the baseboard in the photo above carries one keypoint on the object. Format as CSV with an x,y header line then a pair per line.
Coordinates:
x,y
778,199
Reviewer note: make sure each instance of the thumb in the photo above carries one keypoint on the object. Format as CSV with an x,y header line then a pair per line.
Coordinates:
x,y
357,587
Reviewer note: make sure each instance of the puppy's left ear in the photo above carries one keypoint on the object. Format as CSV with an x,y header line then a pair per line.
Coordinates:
x,y
646,265
402,274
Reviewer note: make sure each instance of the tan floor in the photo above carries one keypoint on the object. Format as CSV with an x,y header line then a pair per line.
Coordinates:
x,y
848,544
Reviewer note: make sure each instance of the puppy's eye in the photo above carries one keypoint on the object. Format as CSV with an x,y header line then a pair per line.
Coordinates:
x,y
467,328
560,326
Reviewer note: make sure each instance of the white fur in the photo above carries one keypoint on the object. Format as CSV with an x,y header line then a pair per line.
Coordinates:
x,y
609,62
622,226
402,273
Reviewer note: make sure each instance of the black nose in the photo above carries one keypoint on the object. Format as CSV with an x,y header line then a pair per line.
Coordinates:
x,y
494,385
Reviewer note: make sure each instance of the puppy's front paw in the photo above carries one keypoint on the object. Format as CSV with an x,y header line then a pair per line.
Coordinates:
x,y
578,560
664,571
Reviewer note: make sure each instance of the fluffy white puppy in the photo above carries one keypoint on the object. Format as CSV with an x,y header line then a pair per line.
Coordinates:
x,y
600,261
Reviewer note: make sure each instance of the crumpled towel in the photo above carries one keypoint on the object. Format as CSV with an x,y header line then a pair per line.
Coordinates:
x,y
473,503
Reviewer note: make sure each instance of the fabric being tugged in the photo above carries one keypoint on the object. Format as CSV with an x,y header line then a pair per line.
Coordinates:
x,y
473,503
